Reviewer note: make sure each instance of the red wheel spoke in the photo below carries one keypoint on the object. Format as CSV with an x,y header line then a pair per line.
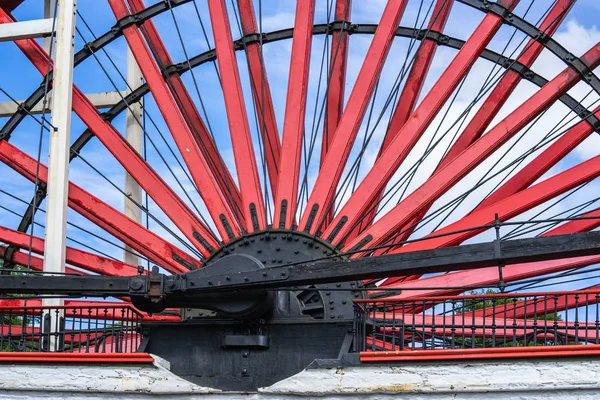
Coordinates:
x,y
79,258
343,139
485,114
31,261
417,75
190,113
384,168
241,138
261,92
114,222
193,229
337,76
446,177
295,111
214,199
510,207
450,284
542,163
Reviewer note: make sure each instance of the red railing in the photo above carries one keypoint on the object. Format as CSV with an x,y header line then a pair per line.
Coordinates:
x,y
98,329
484,324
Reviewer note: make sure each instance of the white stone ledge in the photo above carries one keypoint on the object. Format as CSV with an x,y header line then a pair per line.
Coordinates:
x,y
544,379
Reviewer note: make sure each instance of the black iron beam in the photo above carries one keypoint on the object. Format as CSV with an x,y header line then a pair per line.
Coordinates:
x,y
418,262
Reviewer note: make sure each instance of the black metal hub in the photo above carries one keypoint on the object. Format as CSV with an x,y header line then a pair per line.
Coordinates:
x,y
276,248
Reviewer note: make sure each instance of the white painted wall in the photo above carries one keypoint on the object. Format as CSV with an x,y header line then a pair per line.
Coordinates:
x,y
545,379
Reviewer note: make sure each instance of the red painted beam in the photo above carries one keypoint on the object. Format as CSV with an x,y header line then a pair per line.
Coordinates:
x,y
75,358
509,207
222,215
190,112
539,306
114,222
181,215
78,258
485,354
410,92
447,284
295,110
253,207
261,92
494,102
384,168
345,134
473,156
542,163
338,61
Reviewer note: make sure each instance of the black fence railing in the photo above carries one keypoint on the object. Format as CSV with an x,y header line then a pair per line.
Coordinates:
x,y
94,329
478,321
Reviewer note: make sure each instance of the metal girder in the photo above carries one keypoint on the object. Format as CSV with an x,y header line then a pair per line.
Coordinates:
x,y
446,177
114,222
181,287
181,215
188,109
360,202
222,215
253,206
330,171
26,29
286,196
261,92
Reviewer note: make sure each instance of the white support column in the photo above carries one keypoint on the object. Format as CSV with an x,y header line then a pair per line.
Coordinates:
x,y
58,162
133,133
49,7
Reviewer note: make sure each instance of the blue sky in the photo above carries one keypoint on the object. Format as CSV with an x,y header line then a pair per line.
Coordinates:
x,y
578,33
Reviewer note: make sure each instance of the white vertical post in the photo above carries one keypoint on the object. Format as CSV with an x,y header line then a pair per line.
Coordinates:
x,y
133,133
49,7
58,160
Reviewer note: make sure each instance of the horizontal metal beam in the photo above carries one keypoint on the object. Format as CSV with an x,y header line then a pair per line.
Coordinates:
x,y
179,289
26,29
417,262
99,100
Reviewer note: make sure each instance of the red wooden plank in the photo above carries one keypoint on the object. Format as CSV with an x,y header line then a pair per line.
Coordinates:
x,y
338,60
410,92
79,258
253,207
